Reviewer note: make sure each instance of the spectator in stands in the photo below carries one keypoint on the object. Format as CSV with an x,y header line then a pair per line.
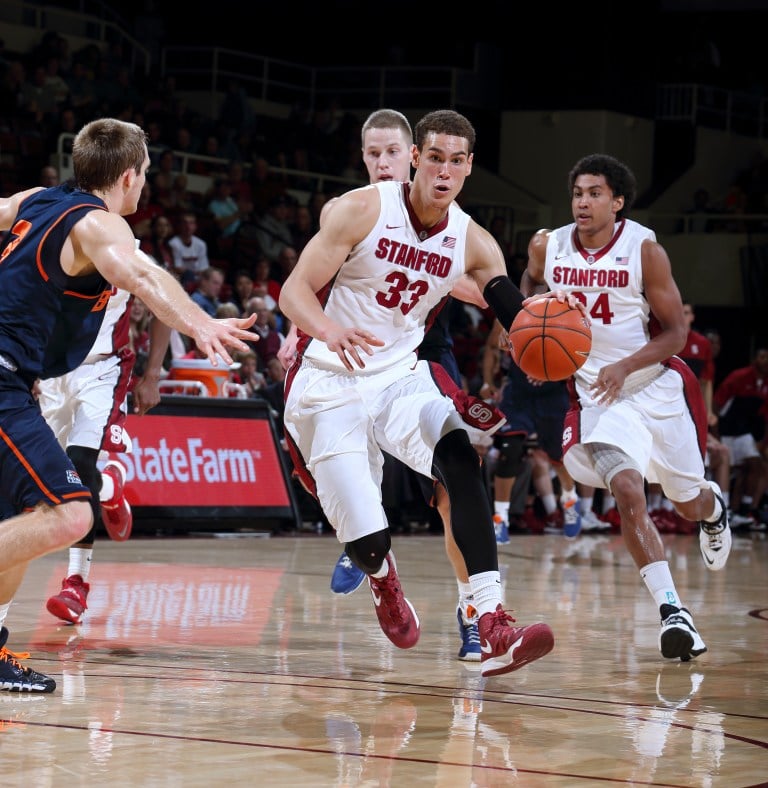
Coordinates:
x,y
741,401
287,258
157,242
227,215
36,101
303,226
81,91
240,186
138,335
49,176
248,374
269,338
182,200
148,207
162,179
185,142
209,285
274,230
235,110
264,284
190,251
265,185
242,290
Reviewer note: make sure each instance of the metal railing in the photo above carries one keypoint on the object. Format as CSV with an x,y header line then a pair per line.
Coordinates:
x,y
210,69
712,107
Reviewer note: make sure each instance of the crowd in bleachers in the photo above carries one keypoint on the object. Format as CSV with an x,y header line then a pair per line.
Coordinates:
x,y
232,246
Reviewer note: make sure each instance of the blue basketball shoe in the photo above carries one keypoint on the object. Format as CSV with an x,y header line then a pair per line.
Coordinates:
x,y
346,577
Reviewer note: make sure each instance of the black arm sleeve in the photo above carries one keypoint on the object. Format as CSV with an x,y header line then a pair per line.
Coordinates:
x,y
504,299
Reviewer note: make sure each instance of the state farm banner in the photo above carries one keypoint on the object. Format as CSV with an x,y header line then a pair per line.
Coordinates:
x,y
207,457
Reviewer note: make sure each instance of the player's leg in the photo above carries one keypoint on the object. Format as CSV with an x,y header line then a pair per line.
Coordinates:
x,y
466,613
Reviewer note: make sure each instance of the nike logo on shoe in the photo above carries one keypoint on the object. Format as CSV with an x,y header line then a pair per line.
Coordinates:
x,y
486,647
376,599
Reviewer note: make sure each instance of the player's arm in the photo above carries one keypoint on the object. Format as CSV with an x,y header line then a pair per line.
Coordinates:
x,y
532,280
353,216
104,240
146,392
467,291
491,360
666,304
9,207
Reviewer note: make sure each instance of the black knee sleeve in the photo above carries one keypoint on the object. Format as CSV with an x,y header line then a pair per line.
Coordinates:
x,y
509,463
368,552
84,461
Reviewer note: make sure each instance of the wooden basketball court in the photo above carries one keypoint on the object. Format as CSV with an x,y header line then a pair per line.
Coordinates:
x,y
212,661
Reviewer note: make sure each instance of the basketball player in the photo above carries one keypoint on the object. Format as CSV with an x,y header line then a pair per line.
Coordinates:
x,y
361,294
632,421
387,139
67,246
86,409
530,407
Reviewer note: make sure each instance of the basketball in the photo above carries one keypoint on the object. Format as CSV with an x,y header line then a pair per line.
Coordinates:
x,y
549,340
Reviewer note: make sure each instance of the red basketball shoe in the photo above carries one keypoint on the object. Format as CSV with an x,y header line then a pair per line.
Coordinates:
x,y
70,603
505,648
116,512
397,618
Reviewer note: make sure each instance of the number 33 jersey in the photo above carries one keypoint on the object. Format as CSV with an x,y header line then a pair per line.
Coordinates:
x,y
393,281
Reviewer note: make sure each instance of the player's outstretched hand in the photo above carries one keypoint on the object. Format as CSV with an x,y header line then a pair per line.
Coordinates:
x,y
346,341
213,336
563,298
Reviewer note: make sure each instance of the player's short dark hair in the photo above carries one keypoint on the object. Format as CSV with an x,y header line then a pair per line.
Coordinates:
x,y
620,179
445,121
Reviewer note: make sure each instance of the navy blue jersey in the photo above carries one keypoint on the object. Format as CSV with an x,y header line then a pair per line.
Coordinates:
x,y
48,319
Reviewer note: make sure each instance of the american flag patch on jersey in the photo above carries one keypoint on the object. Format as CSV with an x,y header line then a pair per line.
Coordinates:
x,y
622,261
449,242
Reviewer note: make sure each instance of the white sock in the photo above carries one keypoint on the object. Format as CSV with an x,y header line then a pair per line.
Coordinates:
x,y
717,511
383,570
658,580
486,590
502,509
654,501
80,561
550,502
608,502
586,504
466,601
107,488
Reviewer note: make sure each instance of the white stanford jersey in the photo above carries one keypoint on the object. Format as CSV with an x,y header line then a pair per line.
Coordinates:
x,y
114,332
609,282
392,280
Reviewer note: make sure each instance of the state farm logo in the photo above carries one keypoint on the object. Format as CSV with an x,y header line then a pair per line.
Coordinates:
x,y
189,461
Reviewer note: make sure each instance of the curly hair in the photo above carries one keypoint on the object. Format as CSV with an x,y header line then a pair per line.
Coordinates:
x,y
620,179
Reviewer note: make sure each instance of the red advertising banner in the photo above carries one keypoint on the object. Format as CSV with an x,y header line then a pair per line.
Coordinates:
x,y
198,456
